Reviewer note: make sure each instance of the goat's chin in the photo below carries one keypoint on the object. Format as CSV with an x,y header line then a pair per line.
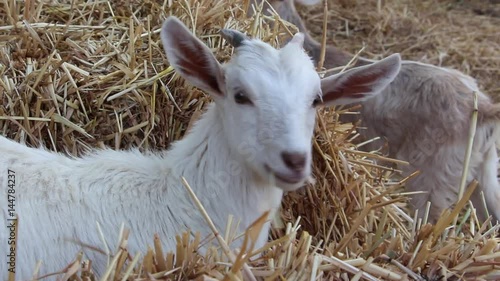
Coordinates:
x,y
286,181
290,186
285,184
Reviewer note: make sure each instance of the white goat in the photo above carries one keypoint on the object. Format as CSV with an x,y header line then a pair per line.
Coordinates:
x,y
252,143
424,115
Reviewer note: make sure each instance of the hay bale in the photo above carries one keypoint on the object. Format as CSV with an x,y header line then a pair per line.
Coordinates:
x,y
87,74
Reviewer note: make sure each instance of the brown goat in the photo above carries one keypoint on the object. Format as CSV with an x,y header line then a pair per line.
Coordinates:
x,y
424,115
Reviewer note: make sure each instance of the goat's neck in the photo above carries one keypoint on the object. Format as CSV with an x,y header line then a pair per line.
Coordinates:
x,y
334,57
204,158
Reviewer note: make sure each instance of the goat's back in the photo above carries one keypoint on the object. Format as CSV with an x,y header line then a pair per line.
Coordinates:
x,y
423,102
72,195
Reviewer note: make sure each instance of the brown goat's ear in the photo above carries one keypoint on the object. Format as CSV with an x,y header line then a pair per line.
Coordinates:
x,y
191,58
360,83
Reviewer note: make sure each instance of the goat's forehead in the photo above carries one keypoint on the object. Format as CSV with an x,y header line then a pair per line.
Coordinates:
x,y
289,71
259,53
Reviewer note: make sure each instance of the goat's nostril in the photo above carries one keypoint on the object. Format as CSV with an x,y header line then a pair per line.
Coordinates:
x,y
294,160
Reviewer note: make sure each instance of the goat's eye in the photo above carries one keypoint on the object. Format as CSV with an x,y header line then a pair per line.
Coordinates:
x,y
241,98
317,101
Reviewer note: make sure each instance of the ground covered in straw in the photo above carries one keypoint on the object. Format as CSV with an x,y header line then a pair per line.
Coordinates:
x,y
78,74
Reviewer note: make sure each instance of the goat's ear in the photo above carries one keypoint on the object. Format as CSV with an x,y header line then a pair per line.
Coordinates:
x,y
360,83
191,58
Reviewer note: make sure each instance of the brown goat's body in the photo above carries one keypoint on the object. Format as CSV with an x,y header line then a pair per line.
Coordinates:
x,y
424,115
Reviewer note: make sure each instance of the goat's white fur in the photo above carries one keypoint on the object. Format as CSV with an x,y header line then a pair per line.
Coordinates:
x,y
424,115
223,157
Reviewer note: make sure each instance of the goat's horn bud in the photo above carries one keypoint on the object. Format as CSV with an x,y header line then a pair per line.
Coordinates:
x,y
298,39
233,37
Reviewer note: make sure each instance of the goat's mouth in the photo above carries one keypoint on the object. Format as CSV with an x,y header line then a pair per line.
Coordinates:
x,y
294,178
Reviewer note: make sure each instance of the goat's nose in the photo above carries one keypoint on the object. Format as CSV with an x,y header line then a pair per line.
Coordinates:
x,y
293,160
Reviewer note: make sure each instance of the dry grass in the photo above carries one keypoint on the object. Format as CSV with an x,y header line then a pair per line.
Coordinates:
x,y
76,74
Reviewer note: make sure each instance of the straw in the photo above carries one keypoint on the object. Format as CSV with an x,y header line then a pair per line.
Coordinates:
x,y
80,75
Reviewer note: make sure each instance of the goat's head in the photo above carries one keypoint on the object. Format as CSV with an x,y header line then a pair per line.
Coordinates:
x,y
267,98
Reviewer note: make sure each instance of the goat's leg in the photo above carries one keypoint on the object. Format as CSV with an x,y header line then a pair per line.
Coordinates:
x,y
439,178
441,195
